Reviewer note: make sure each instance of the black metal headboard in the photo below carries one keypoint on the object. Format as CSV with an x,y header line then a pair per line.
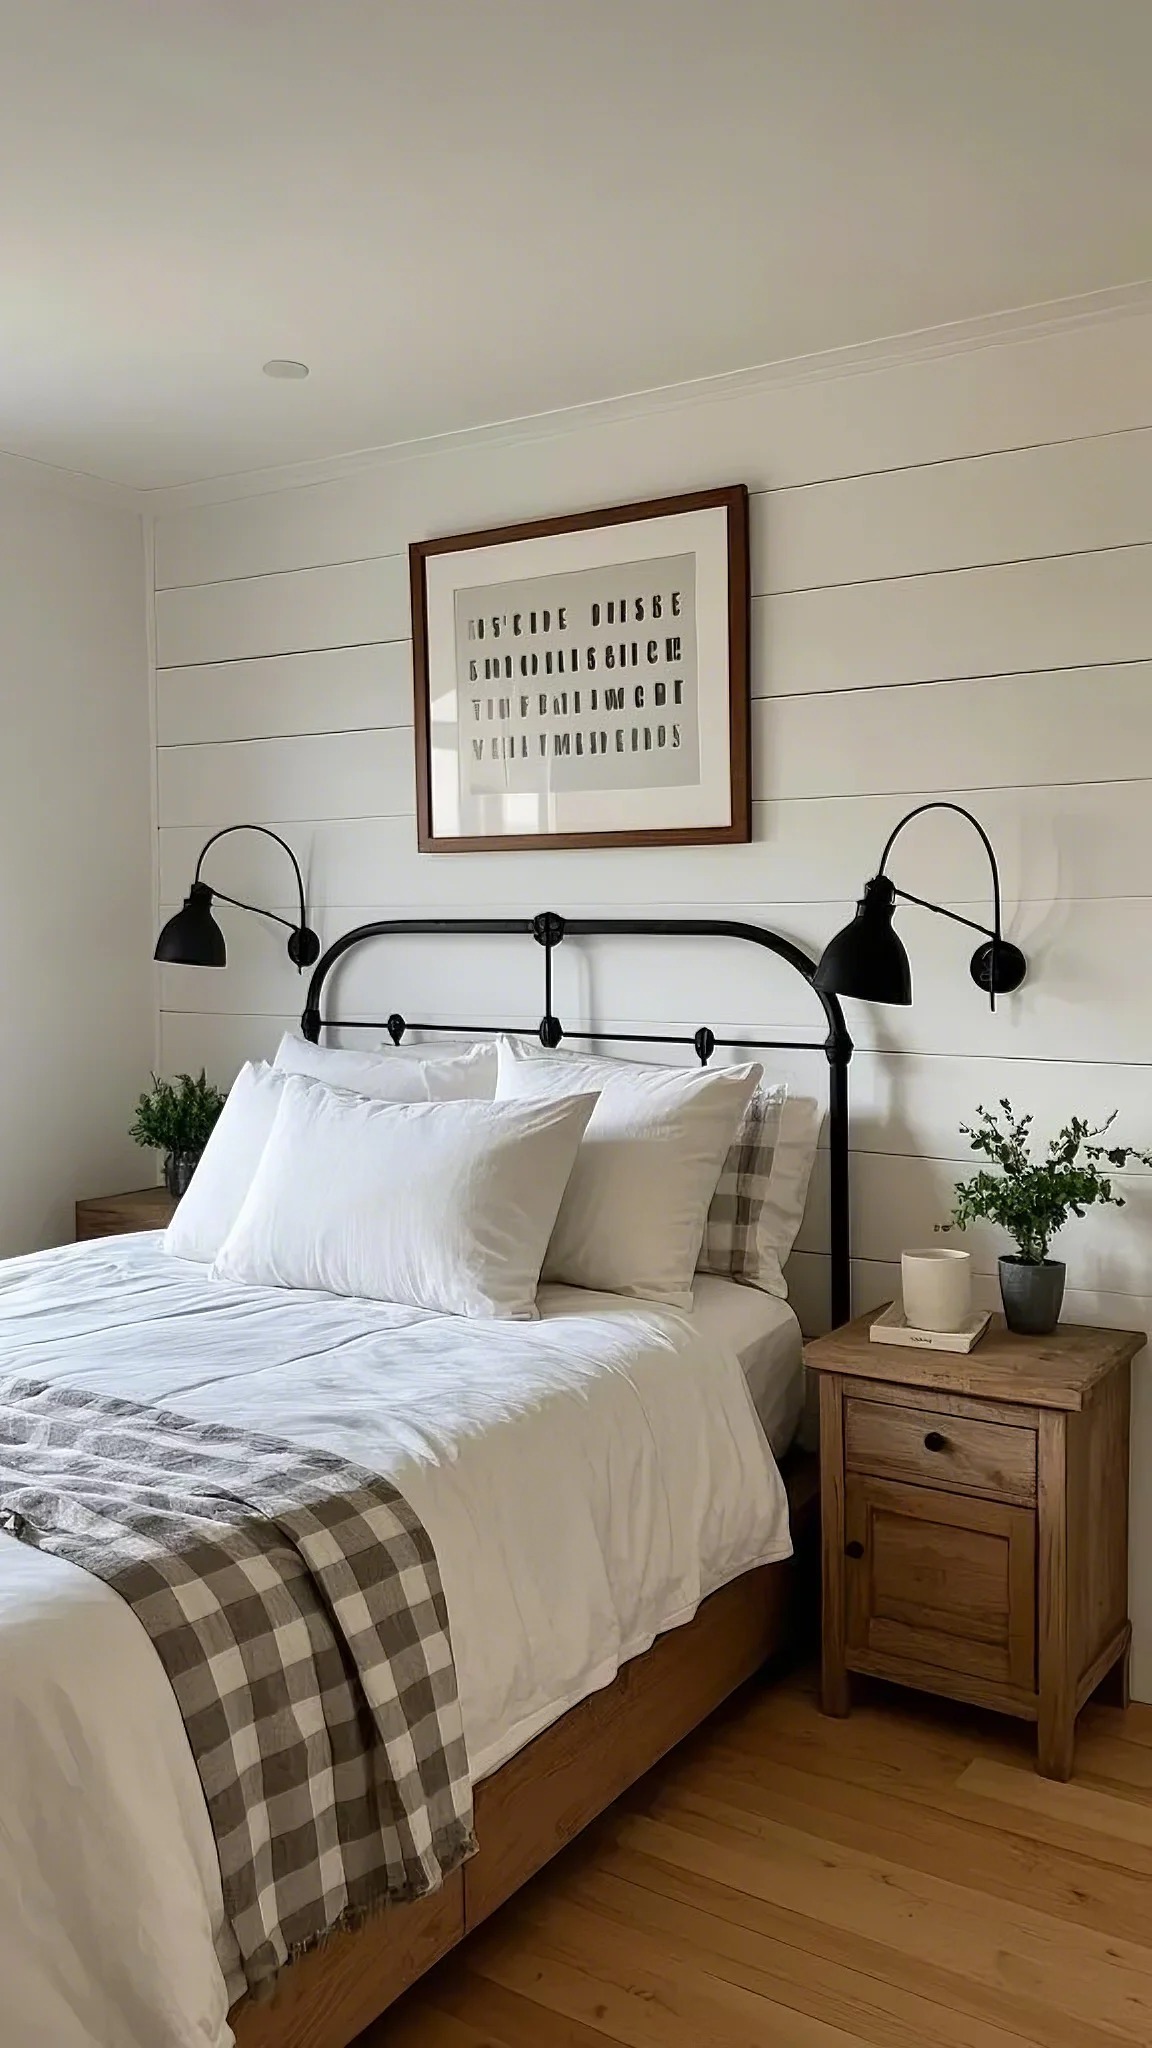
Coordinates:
x,y
549,930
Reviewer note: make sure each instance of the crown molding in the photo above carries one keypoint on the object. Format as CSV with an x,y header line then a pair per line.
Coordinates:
x,y
960,337
71,483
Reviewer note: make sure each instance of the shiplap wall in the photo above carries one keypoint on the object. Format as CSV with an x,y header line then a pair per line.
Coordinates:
x,y
953,596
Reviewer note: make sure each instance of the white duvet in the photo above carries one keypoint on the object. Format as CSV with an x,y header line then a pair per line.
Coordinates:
x,y
586,1480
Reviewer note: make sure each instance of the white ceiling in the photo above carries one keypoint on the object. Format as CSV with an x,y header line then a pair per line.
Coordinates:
x,y
458,211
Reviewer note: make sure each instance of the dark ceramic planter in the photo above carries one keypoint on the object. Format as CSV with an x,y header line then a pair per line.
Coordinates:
x,y
178,1170
1032,1295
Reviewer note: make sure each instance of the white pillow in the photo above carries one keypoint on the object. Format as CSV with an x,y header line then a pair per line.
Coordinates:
x,y
441,1205
446,1049
206,1213
223,1176
632,1218
395,1073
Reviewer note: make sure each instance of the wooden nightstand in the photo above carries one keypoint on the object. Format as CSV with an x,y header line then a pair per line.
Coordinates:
x,y
975,1520
114,1215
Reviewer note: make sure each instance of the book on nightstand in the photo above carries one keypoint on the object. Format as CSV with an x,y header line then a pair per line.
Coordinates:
x,y
891,1328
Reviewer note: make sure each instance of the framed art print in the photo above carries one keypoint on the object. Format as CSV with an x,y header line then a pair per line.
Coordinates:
x,y
584,681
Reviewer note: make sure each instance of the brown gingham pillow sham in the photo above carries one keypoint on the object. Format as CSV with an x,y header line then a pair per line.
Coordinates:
x,y
758,1205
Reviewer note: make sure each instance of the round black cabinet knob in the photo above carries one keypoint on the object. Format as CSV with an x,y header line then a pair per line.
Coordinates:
x,y
853,1549
935,1442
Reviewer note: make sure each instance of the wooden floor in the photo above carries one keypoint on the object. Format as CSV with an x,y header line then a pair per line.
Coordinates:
x,y
901,1878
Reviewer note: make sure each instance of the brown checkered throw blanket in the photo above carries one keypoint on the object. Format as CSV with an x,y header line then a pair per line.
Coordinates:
x,y
295,1604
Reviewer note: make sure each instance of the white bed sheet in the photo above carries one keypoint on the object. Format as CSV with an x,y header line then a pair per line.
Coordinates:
x,y
766,1337
586,1481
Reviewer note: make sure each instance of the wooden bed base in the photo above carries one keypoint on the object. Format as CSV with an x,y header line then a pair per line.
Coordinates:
x,y
535,1803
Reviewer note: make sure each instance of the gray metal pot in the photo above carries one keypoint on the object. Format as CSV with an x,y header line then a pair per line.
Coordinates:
x,y
1032,1295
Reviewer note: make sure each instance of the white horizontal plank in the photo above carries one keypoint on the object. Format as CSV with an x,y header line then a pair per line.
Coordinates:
x,y
365,774
346,605
1070,611
363,859
1061,613
1078,841
1002,732
339,690
1081,382
1085,996
1077,611
220,1044
1075,726
914,1103
1061,499
897,1202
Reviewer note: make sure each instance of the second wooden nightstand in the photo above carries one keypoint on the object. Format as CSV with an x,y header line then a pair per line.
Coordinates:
x,y
975,1520
115,1215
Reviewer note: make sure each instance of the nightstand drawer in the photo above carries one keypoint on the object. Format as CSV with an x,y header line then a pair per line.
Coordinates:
x,y
953,1452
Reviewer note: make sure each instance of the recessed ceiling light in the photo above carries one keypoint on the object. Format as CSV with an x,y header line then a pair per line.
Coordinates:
x,y
281,367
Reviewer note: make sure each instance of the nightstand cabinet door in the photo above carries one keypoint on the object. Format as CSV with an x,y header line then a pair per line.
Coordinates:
x,y
940,1582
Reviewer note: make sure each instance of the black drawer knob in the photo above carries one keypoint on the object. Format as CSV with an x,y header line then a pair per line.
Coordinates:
x,y
853,1549
935,1442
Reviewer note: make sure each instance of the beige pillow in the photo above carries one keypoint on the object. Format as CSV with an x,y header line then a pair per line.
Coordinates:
x,y
758,1205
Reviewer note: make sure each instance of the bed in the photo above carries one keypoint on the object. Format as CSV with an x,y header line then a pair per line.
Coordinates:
x,y
629,1440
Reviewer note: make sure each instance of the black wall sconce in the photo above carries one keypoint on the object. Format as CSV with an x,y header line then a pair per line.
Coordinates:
x,y
194,939
867,959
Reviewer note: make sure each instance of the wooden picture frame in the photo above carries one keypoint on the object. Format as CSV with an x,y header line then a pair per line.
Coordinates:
x,y
545,702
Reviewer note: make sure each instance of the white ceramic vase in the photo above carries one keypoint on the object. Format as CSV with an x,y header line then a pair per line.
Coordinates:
x,y
937,1288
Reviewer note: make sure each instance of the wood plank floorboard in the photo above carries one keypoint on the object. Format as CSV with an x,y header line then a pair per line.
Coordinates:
x,y
902,1879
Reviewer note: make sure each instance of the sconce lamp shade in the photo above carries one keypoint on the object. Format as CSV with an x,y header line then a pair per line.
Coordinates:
x,y
867,959
193,938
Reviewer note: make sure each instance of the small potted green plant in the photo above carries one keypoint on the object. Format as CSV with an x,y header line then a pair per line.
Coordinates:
x,y
177,1118
1032,1199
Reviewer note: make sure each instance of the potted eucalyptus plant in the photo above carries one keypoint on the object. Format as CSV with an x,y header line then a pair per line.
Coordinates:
x,y
1032,1198
177,1118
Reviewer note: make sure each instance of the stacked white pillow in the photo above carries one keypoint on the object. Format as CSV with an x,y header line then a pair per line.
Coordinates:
x,y
206,1213
393,1174
230,1158
633,1214
441,1205
395,1073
